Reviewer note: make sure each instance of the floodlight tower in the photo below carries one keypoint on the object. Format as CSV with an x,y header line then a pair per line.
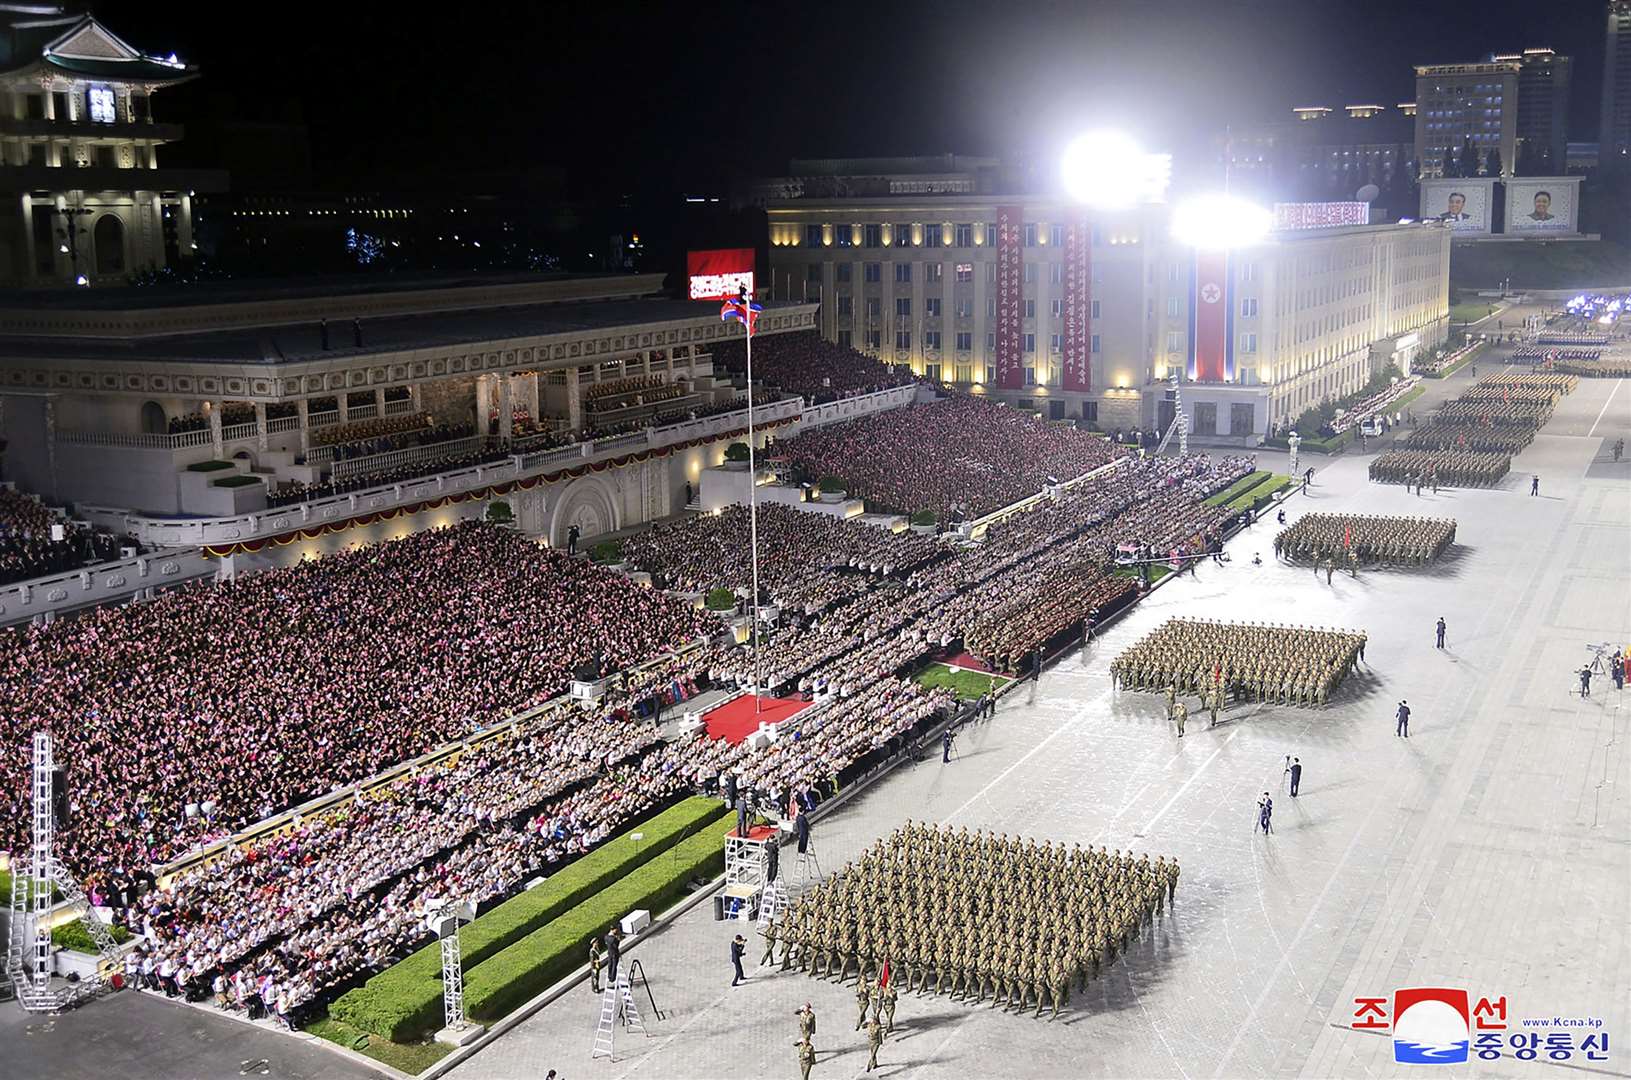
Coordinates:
x,y
444,919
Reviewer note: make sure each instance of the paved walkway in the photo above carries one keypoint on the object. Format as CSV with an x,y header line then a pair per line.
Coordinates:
x,y
1488,852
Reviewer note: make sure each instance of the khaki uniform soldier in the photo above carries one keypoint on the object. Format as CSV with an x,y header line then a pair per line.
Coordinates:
x,y
889,995
863,999
874,1039
806,1018
806,1057
769,932
597,955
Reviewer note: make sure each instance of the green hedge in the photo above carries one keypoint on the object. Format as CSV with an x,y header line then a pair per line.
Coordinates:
x,y
238,481
1239,487
74,937
405,1000
1318,446
549,954
209,466
721,599
1260,496
607,551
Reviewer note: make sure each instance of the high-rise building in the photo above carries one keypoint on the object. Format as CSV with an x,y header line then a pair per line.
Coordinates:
x,y
1543,110
85,196
1461,103
1323,153
1614,148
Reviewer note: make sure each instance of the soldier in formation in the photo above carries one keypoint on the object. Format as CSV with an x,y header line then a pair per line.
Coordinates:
x,y
1462,468
973,915
1290,665
1365,539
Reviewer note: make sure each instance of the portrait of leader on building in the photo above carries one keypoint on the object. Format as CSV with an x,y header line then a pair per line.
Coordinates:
x,y
1455,208
1543,207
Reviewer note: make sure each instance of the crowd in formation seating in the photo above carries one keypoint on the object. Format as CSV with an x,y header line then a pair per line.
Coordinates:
x,y
1294,665
370,431
256,693
805,560
429,435
1367,538
1375,403
805,364
962,456
182,719
27,550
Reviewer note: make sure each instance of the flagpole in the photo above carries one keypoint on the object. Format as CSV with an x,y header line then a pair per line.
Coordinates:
x,y
753,512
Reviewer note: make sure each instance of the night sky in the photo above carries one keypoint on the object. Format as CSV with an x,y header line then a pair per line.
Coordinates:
x,y
676,97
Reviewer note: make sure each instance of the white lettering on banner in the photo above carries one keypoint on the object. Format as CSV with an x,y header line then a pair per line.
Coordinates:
x,y
720,286
1075,361
1009,269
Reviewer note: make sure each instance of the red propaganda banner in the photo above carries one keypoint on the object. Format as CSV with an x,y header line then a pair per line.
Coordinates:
x,y
719,274
1078,371
1010,276
1209,317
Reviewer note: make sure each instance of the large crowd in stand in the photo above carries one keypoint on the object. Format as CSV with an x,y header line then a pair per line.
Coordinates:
x,y
27,550
380,430
806,560
803,363
430,434
182,719
962,456
255,694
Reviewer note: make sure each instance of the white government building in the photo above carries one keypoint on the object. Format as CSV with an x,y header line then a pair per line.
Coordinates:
x,y
908,271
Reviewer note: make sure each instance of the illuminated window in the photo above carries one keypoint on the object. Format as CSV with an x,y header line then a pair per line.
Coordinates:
x,y
965,271
841,236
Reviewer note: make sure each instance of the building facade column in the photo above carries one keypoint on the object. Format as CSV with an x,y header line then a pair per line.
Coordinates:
x,y
342,401
303,419
215,427
506,407
484,405
260,425
530,390
417,398
379,401
574,399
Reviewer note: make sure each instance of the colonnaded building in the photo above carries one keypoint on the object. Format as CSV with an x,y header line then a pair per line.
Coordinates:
x,y
924,261
223,416
85,195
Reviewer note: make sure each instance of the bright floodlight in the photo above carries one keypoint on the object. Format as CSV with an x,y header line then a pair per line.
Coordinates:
x,y
1104,169
1220,222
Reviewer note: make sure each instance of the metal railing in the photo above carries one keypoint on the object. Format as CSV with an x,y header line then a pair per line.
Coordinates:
x,y
407,456
283,423
397,408
132,440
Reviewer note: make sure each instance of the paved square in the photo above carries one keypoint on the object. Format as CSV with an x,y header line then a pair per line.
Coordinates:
x,y
1489,851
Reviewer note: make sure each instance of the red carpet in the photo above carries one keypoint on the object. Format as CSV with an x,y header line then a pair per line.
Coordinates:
x,y
736,719
970,662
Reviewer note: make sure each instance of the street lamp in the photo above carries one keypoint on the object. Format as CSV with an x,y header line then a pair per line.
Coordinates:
x,y
69,232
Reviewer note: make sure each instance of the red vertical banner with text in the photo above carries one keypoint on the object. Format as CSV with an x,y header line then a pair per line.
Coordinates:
x,y
1209,317
1078,371
1010,279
